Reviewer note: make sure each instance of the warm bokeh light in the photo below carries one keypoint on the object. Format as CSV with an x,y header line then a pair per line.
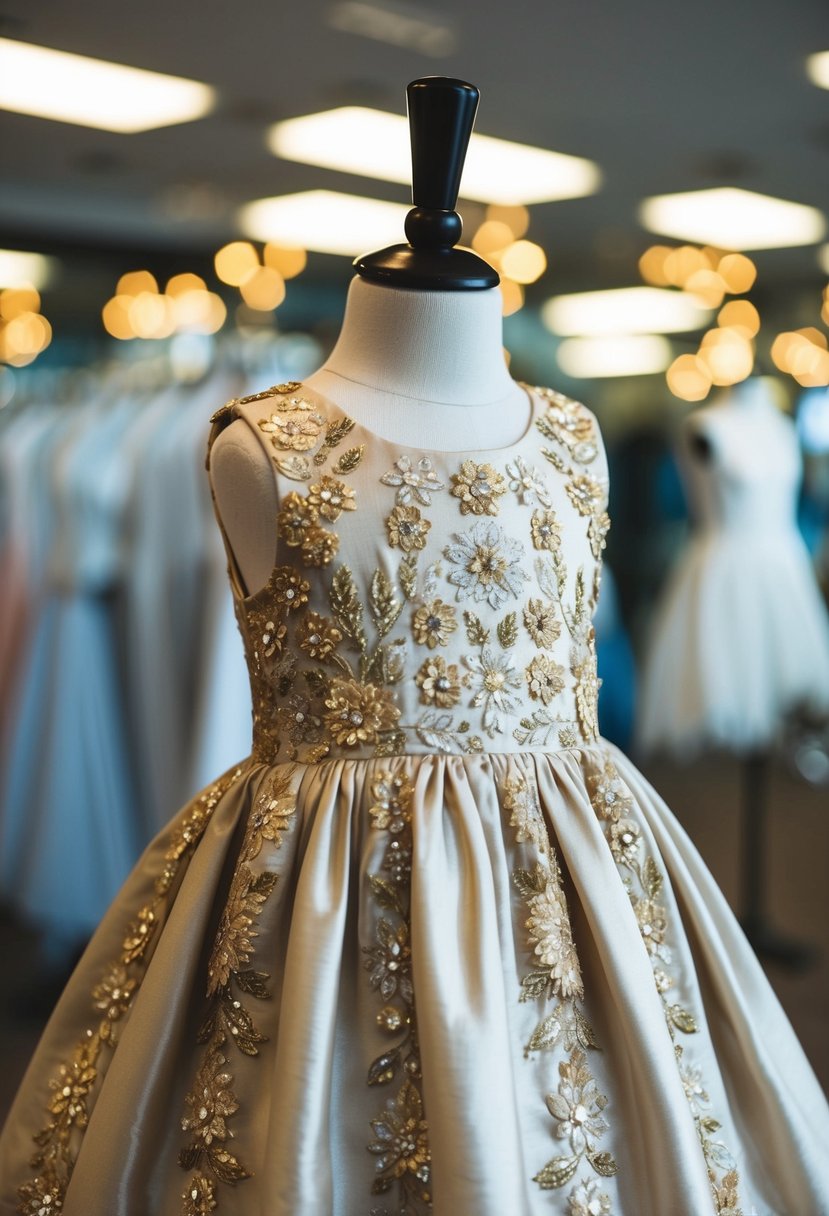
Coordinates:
x,y
652,265
803,354
516,218
513,297
24,337
523,262
286,261
116,317
683,262
706,285
728,355
740,315
15,300
263,290
236,262
737,272
689,378
136,281
492,237
151,316
179,284
199,312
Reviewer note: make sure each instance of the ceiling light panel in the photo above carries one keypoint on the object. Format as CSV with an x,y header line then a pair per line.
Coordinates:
x,y
625,310
817,69
600,358
19,269
372,143
730,218
324,221
71,88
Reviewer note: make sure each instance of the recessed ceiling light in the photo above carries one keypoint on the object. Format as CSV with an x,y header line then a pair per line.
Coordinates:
x,y
325,221
733,219
372,143
817,69
19,269
94,93
625,310
416,28
599,358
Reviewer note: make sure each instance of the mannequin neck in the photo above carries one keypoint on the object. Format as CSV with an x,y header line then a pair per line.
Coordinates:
x,y
403,357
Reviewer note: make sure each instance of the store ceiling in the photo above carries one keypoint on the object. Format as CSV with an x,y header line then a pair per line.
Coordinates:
x,y
665,97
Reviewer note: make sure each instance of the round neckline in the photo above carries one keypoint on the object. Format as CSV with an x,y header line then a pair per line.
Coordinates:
x,y
436,453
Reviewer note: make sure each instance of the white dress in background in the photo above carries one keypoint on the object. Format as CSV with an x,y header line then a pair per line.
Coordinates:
x,y
741,635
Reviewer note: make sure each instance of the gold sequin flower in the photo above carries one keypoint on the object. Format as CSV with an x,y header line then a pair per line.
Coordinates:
x,y
586,494
295,429
267,634
357,713
331,497
319,547
578,1105
433,622
541,623
389,963
233,946
525,813
624,839
608,794
545,678
597,531
546,530
438,682
569,417
550,933
391,806
200,1197
406,529
318,636
113,996
402,1145
296,516
653,923
478,486
488,564
71,1087
211,1101
289,588
41,1197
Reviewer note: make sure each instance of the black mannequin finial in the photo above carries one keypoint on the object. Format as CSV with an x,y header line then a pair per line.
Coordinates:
x,y
441,114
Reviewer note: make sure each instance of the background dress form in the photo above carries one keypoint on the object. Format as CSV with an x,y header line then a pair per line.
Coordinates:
x,y
741,634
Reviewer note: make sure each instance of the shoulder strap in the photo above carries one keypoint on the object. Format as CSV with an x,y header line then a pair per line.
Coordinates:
x,y
289,425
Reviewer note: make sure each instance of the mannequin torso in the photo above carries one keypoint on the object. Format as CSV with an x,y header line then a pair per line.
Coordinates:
x,y
424,368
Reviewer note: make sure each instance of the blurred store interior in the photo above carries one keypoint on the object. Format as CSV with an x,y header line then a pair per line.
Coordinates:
x,y
651,183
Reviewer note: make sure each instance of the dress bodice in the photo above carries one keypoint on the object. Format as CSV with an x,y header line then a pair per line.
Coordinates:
x,y
749,481
423,601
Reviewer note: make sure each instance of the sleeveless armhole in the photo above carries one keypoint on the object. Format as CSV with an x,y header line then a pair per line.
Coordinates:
x,y
219,422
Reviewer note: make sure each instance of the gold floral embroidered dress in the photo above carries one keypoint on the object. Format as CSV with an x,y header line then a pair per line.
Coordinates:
x,y
434,946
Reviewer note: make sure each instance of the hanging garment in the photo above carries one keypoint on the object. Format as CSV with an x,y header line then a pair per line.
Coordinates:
x,y
435,946
70,829
741,636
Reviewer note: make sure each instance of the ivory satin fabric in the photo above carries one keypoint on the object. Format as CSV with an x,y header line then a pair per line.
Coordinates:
x,y
307,998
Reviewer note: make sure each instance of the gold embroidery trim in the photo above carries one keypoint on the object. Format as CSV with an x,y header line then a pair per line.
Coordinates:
x,y
401,1144
211,1100
577,1105
58,1141
644,881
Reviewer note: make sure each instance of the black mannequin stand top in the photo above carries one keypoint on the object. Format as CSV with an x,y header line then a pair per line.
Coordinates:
x,y
441,116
